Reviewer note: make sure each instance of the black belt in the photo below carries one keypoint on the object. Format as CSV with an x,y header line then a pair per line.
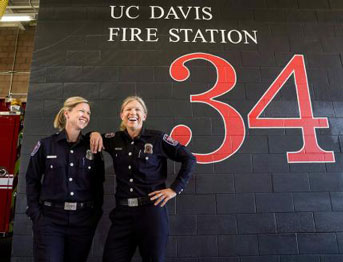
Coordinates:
x,y
69,205
134,202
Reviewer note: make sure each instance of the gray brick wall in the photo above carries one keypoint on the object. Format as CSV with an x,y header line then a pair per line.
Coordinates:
x,y
251,207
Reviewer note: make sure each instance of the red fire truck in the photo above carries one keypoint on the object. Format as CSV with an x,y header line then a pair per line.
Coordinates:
x,y
10,140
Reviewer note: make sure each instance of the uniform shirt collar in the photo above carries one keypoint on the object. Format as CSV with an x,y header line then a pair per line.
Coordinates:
x,y
142,134
62,135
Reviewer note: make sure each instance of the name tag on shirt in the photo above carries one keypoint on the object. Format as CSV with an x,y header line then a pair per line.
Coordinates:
x,y
118,148
51,156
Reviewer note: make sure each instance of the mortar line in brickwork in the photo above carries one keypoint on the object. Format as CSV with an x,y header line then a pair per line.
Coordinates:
x,y
337,243
314,222
217,245
339,140
293,204
272,181
268,147
255,204
258,244
275,223
316,12
309,182
177,247
331,202
216,206
297,242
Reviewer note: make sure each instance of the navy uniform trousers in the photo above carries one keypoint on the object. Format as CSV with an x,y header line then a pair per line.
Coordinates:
x,y
140,165
145,227
61,243
62,173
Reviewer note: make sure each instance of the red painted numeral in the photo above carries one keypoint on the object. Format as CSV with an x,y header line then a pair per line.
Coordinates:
x,y
311,151
233,122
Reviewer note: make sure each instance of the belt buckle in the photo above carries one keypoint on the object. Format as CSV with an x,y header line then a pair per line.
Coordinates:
x,y
46,203
132,202
70,205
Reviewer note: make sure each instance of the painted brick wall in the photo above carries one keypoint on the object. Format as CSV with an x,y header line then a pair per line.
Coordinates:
x,y
251,207
19,53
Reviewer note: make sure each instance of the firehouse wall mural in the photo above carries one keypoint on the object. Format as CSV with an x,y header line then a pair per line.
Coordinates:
x,y
253,88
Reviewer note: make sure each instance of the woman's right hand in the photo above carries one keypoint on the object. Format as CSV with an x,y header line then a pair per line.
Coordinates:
x,y
96,142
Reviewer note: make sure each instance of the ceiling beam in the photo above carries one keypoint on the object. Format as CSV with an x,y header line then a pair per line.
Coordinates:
x,y
22,6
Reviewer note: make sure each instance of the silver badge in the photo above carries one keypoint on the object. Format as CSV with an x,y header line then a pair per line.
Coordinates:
x,y
148,148
89,155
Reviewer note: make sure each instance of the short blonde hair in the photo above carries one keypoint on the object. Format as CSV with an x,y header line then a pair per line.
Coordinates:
x,y
69,104
128,100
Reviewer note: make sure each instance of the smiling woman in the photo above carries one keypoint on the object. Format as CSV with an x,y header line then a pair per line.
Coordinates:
x,y
64,185
140,163
73,116
133,112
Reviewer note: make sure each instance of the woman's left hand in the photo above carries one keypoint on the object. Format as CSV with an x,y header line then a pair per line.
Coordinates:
x,y
162,196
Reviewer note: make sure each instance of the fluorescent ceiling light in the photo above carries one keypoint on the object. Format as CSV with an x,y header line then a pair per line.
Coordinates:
x,y
16,18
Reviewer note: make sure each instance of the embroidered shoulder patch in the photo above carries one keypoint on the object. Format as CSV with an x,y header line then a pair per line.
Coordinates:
x,y
170,140
35,150
110,135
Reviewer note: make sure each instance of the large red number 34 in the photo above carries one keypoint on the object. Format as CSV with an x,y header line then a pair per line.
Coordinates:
x,y
233,122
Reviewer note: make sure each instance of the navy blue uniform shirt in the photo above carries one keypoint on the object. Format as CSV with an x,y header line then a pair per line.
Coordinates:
x,y
60,172
140,164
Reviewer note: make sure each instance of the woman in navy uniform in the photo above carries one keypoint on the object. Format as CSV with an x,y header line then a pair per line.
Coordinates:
x,y
64,187
140,163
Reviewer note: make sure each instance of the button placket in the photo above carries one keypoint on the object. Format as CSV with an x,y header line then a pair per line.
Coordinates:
x,y
130,154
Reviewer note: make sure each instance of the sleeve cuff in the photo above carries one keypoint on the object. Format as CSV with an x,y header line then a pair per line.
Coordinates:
x,y
177,188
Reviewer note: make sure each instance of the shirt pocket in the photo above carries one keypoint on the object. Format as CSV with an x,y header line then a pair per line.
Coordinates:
x,y
121,158
53,165
54,174
149,166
